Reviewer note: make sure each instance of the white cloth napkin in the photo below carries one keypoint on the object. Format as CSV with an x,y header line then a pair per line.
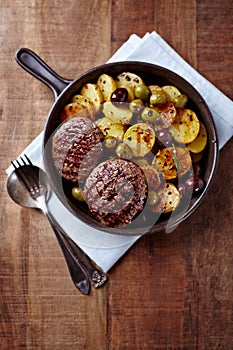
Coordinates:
x,y
105,249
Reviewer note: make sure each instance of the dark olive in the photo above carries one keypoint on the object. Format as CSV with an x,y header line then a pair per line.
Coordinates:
x,y
119,95
198,185
194,185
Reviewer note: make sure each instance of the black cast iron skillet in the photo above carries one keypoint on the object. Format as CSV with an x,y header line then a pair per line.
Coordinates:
x,y
63,91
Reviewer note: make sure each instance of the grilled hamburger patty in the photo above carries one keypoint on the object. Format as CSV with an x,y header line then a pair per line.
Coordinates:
x,y
76,148
115,191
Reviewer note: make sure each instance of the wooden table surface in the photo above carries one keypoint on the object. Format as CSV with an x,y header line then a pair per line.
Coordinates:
x,y
169,291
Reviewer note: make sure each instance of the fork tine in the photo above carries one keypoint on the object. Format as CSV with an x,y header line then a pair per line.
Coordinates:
x,y
27,174
24,163
18,163
23,160
13,164
20,173
34,172
29,161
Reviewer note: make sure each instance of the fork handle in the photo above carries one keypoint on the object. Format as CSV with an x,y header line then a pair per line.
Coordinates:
x,y
96,276
77,273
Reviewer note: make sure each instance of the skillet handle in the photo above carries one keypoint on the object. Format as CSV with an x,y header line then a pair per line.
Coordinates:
x,y
34,65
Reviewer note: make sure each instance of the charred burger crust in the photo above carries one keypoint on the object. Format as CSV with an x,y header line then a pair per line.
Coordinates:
x,y
76,148
116,192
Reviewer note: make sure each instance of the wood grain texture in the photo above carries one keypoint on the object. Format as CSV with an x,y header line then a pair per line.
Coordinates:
x,y
169,291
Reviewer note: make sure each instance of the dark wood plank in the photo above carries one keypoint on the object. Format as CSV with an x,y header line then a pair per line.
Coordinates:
x,y
215,43
128,17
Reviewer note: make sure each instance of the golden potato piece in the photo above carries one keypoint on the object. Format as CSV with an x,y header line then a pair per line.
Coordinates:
x,y
169,199
86,103
93,92
199,144
80,99
76,109
172,161
175,96
154,89
171,91
128,79
107,85
140,138
163,161
154,178
185,127
111,129
167,112
117,112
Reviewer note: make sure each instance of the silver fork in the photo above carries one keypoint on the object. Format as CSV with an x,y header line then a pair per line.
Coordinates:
x,y
34,179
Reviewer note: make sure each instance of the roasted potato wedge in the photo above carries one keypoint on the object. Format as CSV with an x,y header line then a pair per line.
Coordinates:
x,y
171,91
117,112
169,199
155,88
199,144
154,178
93,92
140,138
167,112
175,96
186,126
128,79
107,85
86,103
172,161
77,108
111,129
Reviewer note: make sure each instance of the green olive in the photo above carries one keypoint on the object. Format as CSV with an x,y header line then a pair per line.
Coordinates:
x,y
77,193
180,101
153,197
136,106
158,98
110,142
142,92
123,151
150,114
